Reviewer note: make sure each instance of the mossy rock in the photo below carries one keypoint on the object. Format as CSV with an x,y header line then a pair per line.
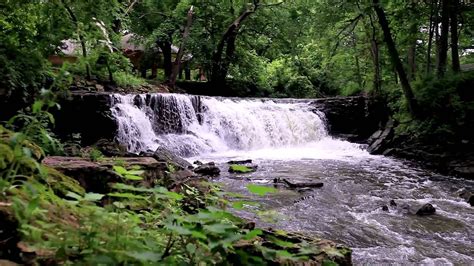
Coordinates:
x,y
62,184
242,169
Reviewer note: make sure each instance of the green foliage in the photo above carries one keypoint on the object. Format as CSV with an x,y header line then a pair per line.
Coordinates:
x,y
447,109
133,174
35,122
126,79
95,155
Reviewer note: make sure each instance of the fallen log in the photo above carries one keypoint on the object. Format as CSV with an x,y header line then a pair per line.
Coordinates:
x,y
298,185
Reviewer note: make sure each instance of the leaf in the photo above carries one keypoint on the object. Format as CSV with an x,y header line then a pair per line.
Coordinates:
x,y
93,197
252,234
218,228
135,172
37,106
126,195
32,205
260,190
145,256
281,243
329,263
119,204
191,248
285,254
333,252
133,177
178,229
122,186
120,170
199,235
74,195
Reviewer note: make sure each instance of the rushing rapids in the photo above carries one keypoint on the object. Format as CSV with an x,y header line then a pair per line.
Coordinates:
x,y
289,140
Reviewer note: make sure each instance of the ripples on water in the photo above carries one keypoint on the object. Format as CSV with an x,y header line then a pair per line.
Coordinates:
x,y
348,208
288,139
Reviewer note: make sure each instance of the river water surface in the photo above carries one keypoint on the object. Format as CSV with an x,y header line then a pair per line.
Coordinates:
x,y
289,140
348,209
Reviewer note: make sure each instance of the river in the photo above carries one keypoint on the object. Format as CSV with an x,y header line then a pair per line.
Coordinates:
x,y
288,139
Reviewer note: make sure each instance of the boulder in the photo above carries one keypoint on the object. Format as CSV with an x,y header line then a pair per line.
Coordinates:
x,y
385,208
381,140
426,209
112,148
164,155
242,169
208,169
98,176
393,203
182,175
468,196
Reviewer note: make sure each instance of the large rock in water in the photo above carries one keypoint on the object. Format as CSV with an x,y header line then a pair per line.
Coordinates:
x,y
208,169
468,196
426,209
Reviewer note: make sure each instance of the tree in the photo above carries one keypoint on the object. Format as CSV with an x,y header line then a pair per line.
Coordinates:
x,y
179,55
453,15
394,55
442,58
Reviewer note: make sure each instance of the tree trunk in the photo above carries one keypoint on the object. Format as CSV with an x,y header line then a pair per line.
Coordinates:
x,y
443,40
165,47
392,49
375,54
413,34
81,37
187,72
220,65
433,22
177,62
454,35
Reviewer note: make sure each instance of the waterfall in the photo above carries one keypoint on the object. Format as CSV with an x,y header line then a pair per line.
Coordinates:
x,y
191,125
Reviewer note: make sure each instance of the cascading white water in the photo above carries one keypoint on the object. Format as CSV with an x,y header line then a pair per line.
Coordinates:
x,y
191,125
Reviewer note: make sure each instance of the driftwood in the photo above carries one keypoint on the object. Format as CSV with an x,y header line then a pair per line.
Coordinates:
x,y
298,185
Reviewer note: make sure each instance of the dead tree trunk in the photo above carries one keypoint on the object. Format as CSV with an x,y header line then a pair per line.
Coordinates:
x,y
177,62
394,55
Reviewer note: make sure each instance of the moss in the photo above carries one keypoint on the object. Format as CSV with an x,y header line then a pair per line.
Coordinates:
x,y
62,184
235,168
